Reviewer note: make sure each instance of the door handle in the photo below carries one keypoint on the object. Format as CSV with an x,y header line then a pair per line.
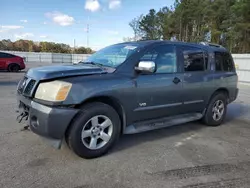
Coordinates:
x,y
176,80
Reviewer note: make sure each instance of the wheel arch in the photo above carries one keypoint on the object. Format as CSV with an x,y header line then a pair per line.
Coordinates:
x,y
220,90
111,101
205,118
11,64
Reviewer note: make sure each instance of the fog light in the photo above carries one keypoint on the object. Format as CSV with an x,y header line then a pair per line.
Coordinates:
x,y
34,122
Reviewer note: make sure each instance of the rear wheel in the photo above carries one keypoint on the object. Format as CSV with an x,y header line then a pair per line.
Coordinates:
x,y
94,131
13,68
216,110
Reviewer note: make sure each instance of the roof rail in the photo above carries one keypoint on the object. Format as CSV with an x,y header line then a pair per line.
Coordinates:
x,y
211,44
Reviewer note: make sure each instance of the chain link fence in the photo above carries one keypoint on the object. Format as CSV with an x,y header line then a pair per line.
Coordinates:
x,y
34,57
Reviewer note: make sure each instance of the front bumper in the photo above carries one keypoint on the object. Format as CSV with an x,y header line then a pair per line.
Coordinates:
x,y
48,122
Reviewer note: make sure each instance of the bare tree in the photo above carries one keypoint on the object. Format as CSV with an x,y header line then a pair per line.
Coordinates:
x,y
135,25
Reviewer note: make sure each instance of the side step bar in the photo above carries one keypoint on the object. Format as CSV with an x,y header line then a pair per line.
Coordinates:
x,y
161,123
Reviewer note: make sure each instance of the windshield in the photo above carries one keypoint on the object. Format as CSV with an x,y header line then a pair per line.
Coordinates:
x,y
113,56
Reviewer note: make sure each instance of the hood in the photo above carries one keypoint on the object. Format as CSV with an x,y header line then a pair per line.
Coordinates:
x,y
59,71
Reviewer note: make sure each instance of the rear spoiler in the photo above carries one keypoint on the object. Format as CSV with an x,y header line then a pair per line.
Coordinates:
x,y
211,44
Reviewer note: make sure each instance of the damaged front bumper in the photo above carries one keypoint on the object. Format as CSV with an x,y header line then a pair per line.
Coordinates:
x,y
48,122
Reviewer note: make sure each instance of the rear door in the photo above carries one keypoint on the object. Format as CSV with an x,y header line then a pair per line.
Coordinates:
x,y
196,78
159,93
225,75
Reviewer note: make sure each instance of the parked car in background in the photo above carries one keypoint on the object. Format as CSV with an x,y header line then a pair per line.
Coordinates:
x,y
125,89
11,63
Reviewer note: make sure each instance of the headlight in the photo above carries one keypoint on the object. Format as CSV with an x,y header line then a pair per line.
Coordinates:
x,y
54,91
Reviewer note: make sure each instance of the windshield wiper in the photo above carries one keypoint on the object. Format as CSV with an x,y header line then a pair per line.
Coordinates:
x,y
92,63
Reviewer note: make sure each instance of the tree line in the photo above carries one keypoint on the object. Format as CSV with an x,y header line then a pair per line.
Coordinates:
x,y
31,46
225,22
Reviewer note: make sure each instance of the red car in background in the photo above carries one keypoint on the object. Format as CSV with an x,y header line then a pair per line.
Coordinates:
x,y
11,63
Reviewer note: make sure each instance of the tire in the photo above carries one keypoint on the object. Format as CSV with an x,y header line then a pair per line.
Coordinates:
x,y
13,68
215,120
86,121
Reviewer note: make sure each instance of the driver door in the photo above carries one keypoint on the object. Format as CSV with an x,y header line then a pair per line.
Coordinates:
x,y
159,94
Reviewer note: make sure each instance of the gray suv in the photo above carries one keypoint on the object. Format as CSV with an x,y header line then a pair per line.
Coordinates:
x,y
127,88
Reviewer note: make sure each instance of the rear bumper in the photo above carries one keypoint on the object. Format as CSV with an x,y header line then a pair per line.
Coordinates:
x,y
48,122
22,66
234,95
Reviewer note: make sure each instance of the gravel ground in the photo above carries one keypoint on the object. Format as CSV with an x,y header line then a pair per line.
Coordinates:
x,y
189,155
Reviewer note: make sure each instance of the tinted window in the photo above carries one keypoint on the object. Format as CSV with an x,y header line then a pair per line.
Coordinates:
x,y
164,57
2,55
10,55
5,55
223,62
218,61
206,61
194,59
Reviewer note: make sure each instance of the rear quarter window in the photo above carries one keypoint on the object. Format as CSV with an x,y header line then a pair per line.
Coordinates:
x,y
224,62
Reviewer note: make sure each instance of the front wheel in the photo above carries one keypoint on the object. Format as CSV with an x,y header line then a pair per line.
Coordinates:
x,y
216,110
94,131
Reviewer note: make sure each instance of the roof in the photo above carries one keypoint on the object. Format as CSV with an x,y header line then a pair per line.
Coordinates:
x,y
203,45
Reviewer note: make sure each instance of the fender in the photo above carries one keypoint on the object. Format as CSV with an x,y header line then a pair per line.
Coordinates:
x,y
113,102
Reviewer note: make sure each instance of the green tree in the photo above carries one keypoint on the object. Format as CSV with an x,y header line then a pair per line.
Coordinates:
x,y
225,22
21,45
164,16
150,26
31,46
83,50
240,28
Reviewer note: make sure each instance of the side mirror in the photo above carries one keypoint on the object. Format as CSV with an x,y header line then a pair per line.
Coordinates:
x,y
146,66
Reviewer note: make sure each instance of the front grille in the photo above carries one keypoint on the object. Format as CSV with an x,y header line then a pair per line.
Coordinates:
x,y
22,84
26,86
29,87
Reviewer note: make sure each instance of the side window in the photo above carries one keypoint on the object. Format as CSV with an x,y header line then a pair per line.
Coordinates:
x,y
223,62
149,56
9,56
228,63
218,61
206,61
2,55
194,59
164,57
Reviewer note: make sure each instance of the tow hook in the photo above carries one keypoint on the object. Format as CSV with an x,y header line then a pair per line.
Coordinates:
x,y
23,116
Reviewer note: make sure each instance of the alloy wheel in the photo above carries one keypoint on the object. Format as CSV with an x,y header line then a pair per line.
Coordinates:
x,y
218,110
97,132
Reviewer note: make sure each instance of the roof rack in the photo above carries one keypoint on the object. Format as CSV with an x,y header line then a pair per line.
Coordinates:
x,y
211,44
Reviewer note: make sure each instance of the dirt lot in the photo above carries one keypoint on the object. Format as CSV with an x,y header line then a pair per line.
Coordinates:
x,y
189,155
